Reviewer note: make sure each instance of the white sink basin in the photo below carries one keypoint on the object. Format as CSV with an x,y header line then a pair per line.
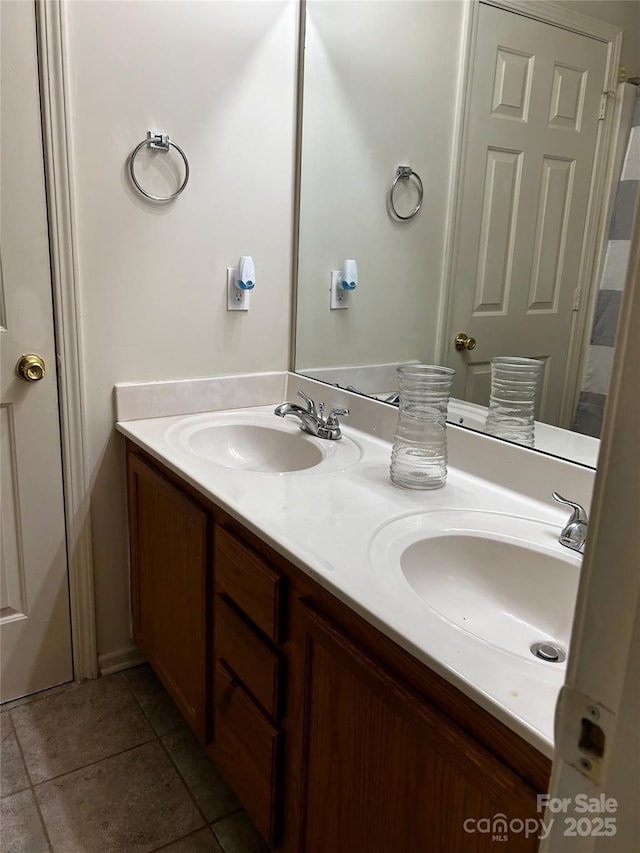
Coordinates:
x,y
259,443
504,579
256,448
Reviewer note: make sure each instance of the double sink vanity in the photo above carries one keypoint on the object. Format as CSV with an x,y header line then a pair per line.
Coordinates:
x,y
356,658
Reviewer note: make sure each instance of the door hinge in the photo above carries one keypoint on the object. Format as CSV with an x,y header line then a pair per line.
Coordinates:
x,y
604,98
576,299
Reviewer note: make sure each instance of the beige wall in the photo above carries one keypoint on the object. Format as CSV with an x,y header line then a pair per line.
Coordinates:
x,y
621,13
220,78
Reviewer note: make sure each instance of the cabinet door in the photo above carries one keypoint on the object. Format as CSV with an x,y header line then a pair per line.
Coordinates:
x,y
170,587
382,770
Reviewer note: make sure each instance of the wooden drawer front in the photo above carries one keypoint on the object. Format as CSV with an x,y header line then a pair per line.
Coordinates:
x,y
250,658
250,581
247,750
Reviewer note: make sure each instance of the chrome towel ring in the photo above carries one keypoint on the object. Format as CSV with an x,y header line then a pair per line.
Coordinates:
x,y
162,142
403,173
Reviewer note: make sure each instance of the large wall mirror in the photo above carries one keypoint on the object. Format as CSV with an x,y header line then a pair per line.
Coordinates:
x,y
498,118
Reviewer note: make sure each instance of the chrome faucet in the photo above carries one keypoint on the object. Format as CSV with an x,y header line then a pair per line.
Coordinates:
x,y
574,533
312,419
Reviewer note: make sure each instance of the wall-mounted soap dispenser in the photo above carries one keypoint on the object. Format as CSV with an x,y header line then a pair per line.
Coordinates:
x,y
343,282
240,282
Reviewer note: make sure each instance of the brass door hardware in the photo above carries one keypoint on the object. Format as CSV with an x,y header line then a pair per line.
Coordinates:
x,y
462,341
31,368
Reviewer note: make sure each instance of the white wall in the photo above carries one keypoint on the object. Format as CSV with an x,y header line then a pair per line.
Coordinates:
x,y
220,78
380,90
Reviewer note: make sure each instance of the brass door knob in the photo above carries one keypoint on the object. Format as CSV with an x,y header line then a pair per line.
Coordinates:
x,y
31,368
462,341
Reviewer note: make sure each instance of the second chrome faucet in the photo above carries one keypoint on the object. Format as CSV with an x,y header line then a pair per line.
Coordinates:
x,y
574,533
312,419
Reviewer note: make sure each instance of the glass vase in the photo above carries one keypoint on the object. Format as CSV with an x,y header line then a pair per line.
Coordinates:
x,y
514,389
419,455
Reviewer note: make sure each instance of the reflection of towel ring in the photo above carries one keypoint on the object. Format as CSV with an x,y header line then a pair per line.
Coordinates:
x,y
403,173
162,142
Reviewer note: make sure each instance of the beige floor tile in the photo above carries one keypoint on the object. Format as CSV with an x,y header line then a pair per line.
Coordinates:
x,y
154,700
203,779
43,694
200,842
237,834
13,773
130,803
75,728
21,827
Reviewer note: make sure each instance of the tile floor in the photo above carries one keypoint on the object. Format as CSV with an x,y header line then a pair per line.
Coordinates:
x,y
109,766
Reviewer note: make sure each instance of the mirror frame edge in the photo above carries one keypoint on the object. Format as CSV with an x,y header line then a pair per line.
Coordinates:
x,y
297,184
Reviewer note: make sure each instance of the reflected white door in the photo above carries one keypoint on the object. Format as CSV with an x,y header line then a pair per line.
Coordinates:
x,y
530,144
35,634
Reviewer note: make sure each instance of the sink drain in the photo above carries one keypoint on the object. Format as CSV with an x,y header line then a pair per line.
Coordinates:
x,y
549,652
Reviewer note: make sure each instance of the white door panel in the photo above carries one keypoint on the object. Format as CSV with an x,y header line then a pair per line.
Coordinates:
x,y
35,637
530,145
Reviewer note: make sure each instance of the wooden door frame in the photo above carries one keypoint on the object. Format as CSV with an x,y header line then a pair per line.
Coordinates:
x,y
596,222
68,333
602,666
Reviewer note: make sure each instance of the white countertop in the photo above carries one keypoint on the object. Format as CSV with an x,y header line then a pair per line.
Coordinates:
x,y
325,523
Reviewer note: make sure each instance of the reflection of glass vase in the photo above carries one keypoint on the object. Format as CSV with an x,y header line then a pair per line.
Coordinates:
x,y
419,455
514,387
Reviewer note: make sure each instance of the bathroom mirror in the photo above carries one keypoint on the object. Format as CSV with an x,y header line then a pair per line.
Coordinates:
x,y
502,246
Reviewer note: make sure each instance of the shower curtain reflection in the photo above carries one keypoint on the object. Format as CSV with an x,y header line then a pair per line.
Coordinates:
x,y
595,383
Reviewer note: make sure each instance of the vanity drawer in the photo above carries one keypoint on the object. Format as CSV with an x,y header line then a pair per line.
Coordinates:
x,y
258,667
252,584
248,752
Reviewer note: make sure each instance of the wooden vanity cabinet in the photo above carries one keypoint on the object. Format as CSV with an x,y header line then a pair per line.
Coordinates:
x,y
380,768
170,545
332,736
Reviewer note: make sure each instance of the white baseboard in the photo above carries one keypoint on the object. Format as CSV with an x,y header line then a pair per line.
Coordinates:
x,y
123,658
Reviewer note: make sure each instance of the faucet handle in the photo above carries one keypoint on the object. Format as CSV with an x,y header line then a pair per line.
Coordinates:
x,y
579,513
334,414
311,406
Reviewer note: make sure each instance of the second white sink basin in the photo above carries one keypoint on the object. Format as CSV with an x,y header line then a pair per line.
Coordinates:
x,y
260,443
504,579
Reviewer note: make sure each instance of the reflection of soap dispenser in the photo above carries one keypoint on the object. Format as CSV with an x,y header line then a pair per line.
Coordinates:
x,y
349,275
343,282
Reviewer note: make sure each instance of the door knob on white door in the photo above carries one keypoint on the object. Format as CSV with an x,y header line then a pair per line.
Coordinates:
x,y
462,341
31,368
